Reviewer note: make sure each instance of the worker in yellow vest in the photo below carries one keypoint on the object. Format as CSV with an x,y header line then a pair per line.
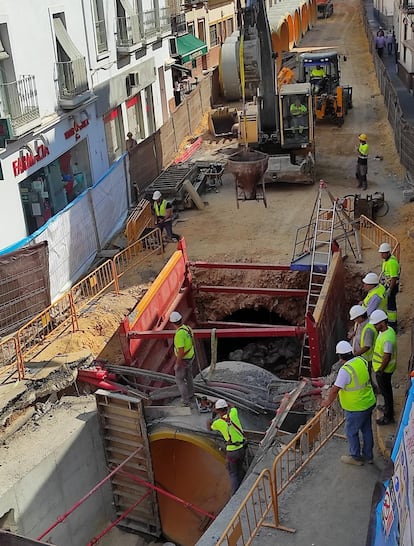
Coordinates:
x,y
226,421
298,111
390,278
357,398
184,357
375,298
384,362
362,161
164,215
364,334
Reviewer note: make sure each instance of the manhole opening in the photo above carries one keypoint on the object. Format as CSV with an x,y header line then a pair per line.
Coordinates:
x,y
279,355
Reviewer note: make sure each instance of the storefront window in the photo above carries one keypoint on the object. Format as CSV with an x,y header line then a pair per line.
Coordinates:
x,y
114,134
50,189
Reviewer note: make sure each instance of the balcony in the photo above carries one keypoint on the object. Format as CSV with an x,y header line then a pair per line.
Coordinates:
x,y
164,21
178,24
151,24
407,6
19,105
100,33
72,83
128,34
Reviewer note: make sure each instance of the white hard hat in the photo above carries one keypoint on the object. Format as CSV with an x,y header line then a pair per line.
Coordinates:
x,y
220,404
356,311
385,247
175,316
378,316
371,278
343,348
156,195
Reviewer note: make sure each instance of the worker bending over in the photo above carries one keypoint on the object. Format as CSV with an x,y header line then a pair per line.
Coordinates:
x,y
390,278
184,357
375,298
164,215
357,399
226,421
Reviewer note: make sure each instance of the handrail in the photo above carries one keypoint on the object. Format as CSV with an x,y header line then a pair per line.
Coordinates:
x,y
375,234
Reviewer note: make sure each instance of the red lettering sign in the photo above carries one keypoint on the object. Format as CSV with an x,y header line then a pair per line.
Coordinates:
x,y
76,128
24,162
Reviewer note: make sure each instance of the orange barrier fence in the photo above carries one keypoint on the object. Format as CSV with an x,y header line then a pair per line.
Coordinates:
x,y
251,514
262,499
11,357
94,284
139,219
65,310
374,234
57,315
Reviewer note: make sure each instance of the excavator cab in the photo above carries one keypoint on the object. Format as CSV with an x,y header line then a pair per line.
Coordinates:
x,y
331,99
296,115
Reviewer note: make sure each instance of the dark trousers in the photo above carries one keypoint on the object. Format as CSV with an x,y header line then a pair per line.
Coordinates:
x,y
361,173
384,384
392,307
380,51
234,465
167,225
389,48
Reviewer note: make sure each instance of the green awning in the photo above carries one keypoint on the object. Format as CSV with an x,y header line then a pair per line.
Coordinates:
x,y
189,48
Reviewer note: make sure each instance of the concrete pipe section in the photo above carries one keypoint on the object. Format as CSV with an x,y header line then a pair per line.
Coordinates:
x,y
248,168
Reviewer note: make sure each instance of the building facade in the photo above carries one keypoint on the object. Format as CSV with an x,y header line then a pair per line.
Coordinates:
x,y
76,76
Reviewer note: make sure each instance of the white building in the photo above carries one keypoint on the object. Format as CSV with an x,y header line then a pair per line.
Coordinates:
x,y
76,76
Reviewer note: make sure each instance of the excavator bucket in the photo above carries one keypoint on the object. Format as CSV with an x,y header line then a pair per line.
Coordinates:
x,y
221,121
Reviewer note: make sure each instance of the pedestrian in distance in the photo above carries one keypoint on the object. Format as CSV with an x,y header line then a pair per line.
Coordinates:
x,y
380,44
357,399
226,420
184,357
380,31
362,161
390,278
389,40
130,142
375,298
163,211
384,362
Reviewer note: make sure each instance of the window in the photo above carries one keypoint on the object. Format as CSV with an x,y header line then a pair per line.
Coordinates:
x,y
213,35
190,28
114,134
230,27
100,27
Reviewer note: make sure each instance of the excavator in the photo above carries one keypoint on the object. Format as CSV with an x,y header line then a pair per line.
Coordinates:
x,y
321,69
275,119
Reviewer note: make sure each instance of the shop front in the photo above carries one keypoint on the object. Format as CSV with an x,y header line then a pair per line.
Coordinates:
x,y
49,189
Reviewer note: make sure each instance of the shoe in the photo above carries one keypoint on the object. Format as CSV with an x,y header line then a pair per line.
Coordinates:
x,y
347,459
369,461
385,421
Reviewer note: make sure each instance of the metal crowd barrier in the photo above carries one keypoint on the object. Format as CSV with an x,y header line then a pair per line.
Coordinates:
x,y
94,284
375,234
11,357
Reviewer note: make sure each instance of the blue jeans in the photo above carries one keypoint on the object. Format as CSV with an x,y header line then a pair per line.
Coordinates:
x,y
356,421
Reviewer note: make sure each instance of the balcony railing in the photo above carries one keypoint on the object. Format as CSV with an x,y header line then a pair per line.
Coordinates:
x,y
178,24
165,20
408,6
19,101
150,19
72,81
100,33
128,31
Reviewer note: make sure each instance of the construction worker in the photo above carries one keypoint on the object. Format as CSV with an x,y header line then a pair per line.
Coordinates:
x,y
364,334
184,357
390,277
298,111
164,215
318,78
362,162
357,399
318,71
384,362
226,421
375,298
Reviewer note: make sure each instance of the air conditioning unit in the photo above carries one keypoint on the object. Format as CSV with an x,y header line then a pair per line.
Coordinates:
x,y
133,79
173,47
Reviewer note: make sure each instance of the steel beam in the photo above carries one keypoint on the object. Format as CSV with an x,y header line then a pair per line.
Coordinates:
x,y
257,267
274,331
279,292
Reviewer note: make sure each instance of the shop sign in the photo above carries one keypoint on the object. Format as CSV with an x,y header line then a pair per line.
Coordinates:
x,y
74,131
24,162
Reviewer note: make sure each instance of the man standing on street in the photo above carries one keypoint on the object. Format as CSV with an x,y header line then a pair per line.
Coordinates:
x,y
164,215
375,298
184,357
384,362
228,424
357,398
390,277
362,161
364,334
380,44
